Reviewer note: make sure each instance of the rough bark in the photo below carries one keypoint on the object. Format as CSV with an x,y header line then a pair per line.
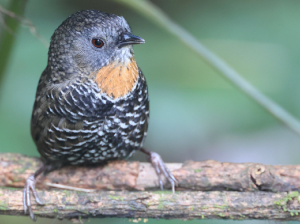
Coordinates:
x,y
125,175
186,203
64,204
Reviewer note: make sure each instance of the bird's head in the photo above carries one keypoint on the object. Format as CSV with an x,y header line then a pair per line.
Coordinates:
x,y
89,40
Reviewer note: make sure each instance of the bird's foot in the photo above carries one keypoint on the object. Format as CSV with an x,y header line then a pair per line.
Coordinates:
x,y
160,169
30,185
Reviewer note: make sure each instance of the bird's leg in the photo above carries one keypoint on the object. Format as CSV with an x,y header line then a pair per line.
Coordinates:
x,y
160,168
30,185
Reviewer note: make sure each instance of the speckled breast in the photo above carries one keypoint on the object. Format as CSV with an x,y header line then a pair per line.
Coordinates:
x,y
81,125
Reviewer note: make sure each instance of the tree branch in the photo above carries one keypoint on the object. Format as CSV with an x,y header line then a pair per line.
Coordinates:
x,y
64,204
126,175
187,203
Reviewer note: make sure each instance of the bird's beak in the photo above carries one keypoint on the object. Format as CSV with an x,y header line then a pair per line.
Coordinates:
x,y
127,38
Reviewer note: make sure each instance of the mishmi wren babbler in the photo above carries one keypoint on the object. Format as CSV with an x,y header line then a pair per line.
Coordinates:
x,y
91,102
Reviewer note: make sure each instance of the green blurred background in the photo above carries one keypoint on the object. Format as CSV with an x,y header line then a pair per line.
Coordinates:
x,y
195,113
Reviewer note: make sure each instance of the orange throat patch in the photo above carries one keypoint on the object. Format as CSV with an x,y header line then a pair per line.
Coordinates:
x,y
116,79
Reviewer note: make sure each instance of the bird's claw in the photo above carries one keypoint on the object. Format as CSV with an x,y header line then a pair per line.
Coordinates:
x,y
161,168
30,185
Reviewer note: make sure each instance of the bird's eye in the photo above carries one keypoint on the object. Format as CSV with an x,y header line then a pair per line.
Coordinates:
x,y
98,43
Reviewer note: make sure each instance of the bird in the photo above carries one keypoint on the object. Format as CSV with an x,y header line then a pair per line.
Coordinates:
x,y
91,104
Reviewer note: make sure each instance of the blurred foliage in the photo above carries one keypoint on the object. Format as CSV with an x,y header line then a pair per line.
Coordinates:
x,y
195,114
7,38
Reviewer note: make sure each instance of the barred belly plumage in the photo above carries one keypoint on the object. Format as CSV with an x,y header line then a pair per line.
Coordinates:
x,y
79,138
